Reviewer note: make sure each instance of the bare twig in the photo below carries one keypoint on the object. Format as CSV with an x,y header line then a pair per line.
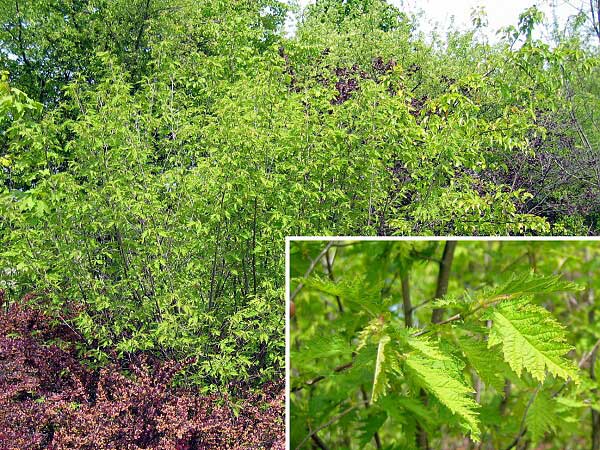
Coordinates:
x,y
322,377
423,303
312,266
589,355
319,442
454,318
523,428
581,363
326,424
332,279
595,12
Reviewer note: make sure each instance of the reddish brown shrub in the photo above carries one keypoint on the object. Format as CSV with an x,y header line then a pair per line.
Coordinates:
x,y
50,400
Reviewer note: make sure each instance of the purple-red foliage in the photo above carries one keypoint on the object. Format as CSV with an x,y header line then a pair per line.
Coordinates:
x,y
346,79
561,176
50,400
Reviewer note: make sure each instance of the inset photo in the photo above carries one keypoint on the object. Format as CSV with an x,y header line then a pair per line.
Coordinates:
x,y
443,344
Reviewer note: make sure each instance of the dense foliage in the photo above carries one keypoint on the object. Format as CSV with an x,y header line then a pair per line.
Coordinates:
x,y
155,153
432,344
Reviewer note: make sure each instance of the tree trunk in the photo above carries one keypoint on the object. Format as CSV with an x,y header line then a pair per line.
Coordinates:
x,y
406,304
443,278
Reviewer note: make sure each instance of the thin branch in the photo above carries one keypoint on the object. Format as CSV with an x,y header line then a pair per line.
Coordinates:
x,y
414,308
322,377
329,422
523,428
312,266
589,355
425,257
332,279
581,363
20,34
595,17
454,318
318,442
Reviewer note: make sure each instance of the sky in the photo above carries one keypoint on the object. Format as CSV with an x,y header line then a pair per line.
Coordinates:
x,y
500,13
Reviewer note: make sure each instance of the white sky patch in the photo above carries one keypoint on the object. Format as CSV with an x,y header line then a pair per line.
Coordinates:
x,y
441,13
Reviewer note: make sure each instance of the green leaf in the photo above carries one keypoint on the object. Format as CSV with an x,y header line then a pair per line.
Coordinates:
x,y
451,392
488,364
321,346
370,425
531,339
380,379
529,283
426,347
353,293
372,329
541,417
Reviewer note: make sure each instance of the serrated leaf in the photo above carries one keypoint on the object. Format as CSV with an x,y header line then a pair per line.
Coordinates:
x,y
354,293
450,392
489,365
531,339
425,346
541,417
371,425
451,300
527,284
372,329
325,346
380,379
570,403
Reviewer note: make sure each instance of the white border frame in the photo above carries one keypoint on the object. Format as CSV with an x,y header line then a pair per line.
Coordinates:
x,y
289,239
